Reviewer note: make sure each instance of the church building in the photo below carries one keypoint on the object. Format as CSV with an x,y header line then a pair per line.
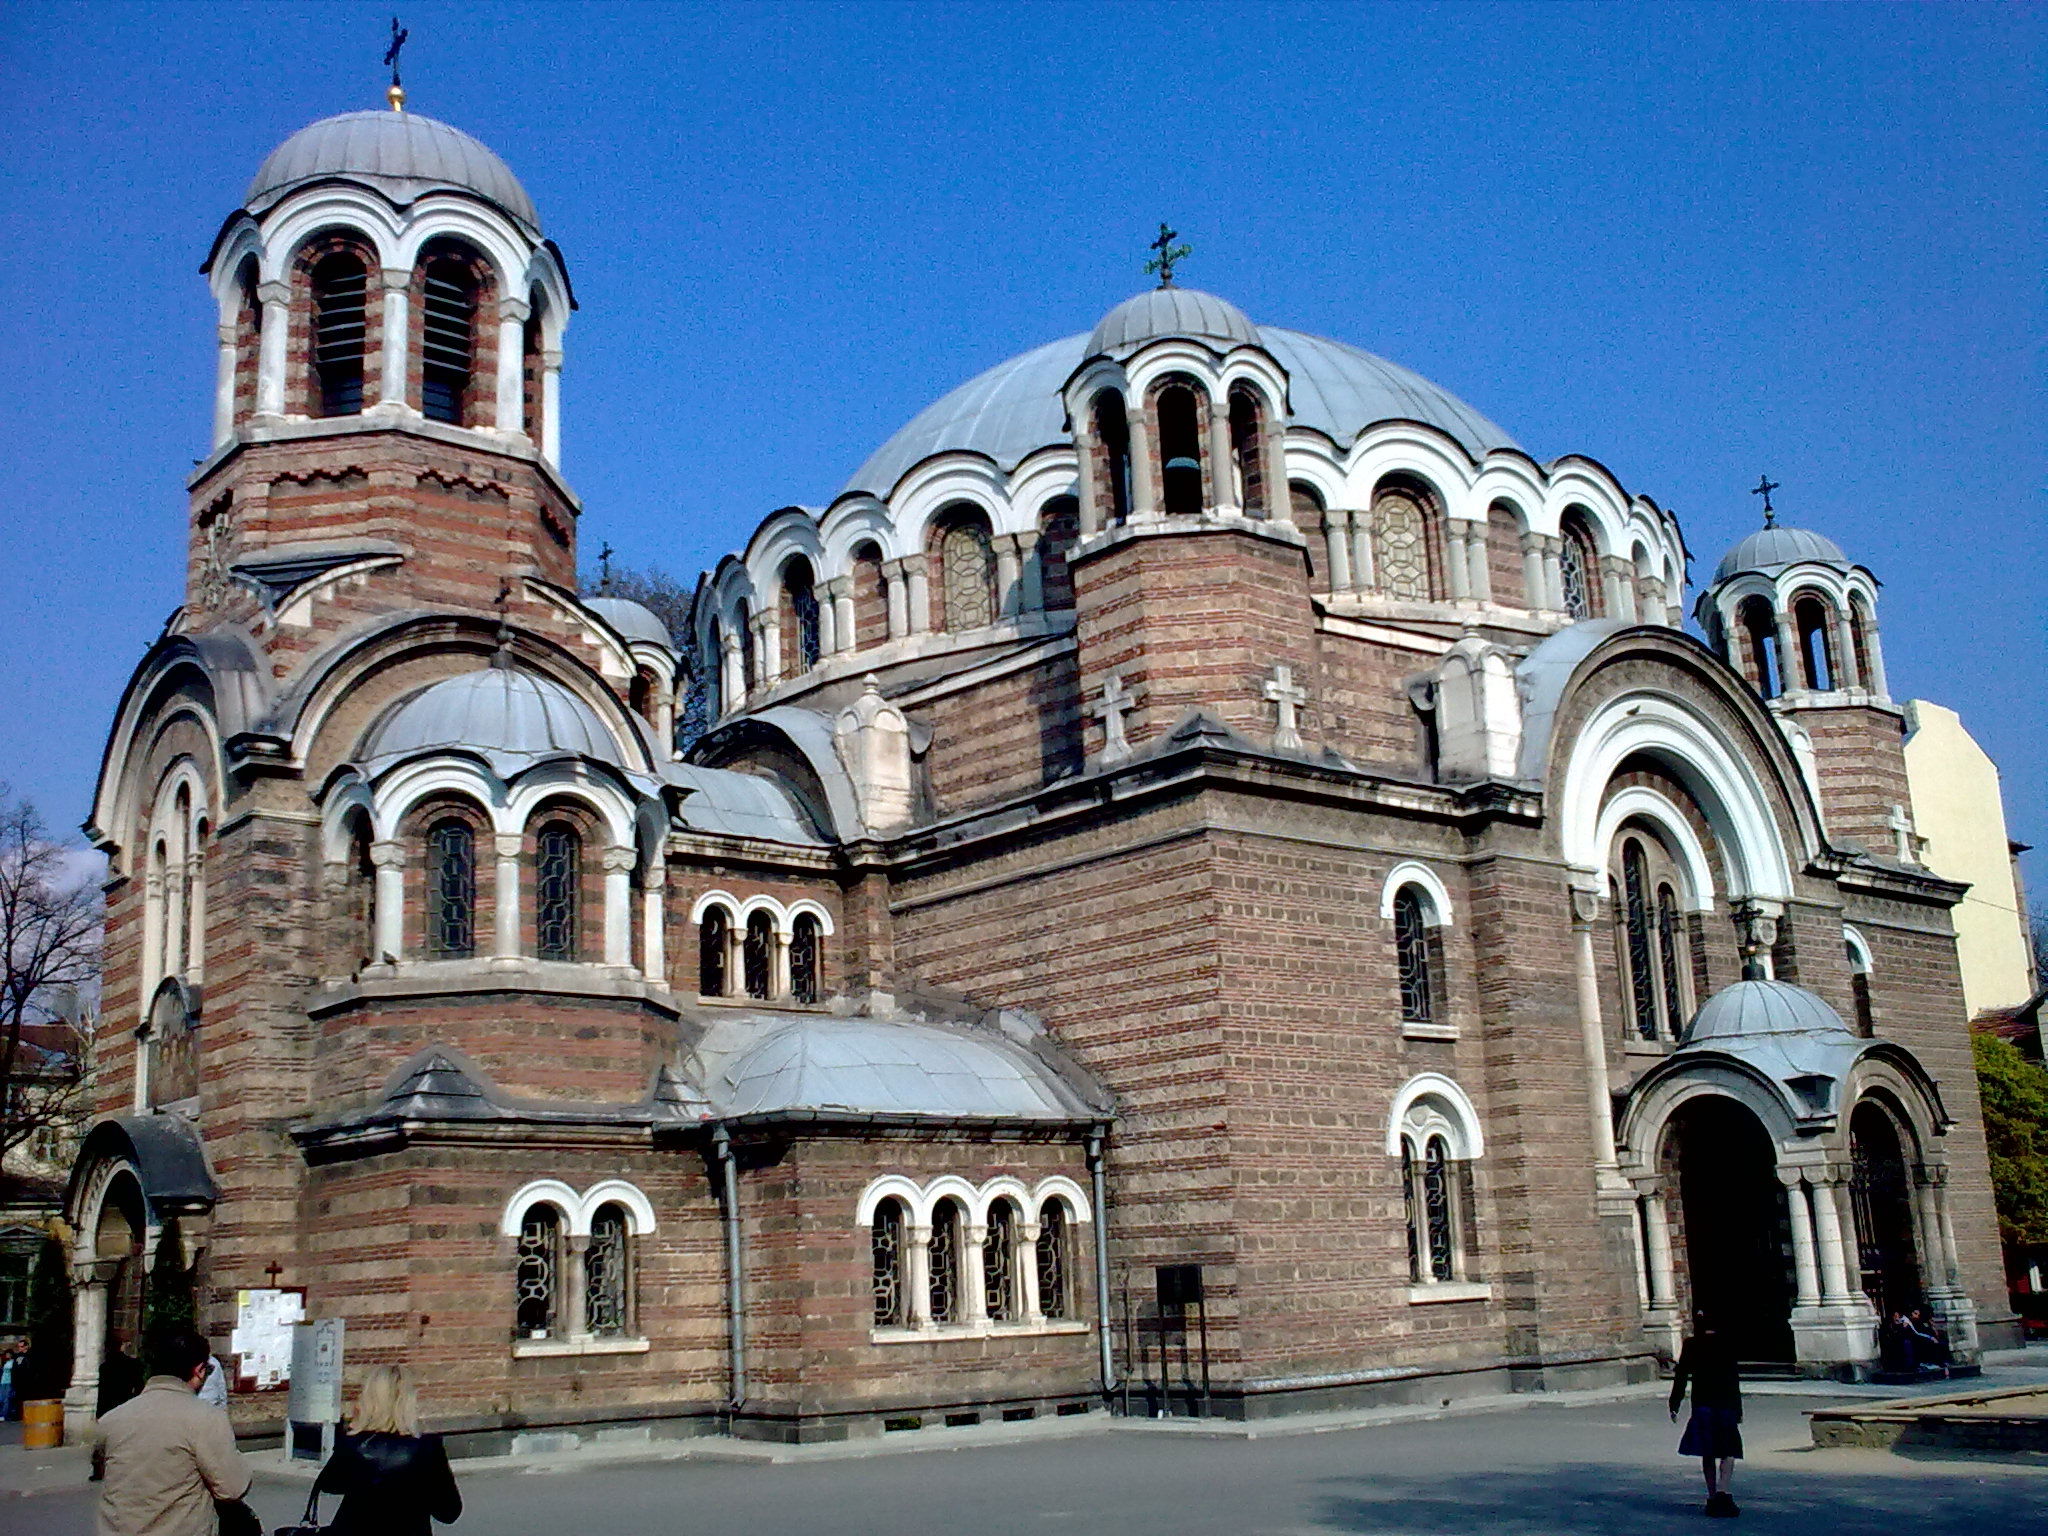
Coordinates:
x,y
1206,879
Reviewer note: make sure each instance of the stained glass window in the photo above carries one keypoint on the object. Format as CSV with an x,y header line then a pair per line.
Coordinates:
x,y
534,1285
999,1262
1642,978
1578,568
558,873
1436,1197
944,1256
803,958
607,1280
1052,1259
1401,552
886,1239
757,955
1412,953
451,889
714,939
970,588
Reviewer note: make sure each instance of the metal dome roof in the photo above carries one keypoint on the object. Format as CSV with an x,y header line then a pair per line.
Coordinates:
x,y
500,712
1771,546
401,154
1016,407
636,621
1748,1009
1171,312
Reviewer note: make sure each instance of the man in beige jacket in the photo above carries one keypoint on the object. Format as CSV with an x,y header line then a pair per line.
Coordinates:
x,y
165,1455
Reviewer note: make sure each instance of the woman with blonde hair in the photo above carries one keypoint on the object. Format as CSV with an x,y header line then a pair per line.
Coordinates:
x,y
392,1479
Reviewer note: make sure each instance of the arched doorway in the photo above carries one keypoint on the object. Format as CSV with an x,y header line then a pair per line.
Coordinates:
x,y
1882,1200
1736,1236
117,1248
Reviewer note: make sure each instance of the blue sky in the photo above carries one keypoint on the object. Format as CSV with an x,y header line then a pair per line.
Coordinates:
x,y
1696,243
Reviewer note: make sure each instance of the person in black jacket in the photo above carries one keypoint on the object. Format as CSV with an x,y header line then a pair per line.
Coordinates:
x,y
1714,1432
391,1478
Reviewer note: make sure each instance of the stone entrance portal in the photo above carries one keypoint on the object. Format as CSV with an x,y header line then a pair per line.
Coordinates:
x,y
1737,1238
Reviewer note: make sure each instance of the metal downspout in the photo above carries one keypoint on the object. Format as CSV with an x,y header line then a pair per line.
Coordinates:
x,y
1100,1192
735,1289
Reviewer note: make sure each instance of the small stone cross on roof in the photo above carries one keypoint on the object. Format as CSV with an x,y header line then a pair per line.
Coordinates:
x,y
1110,709
1286,696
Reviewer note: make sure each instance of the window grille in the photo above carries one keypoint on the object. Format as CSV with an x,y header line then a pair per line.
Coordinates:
x,y
1575,571
558,873
970,598
341,328
1669,949
451,890
607,1274
999,1263
1180,452
757,956
1436,1197
1636,918
1412,952
714,938
1400,534
886,1241
803,959
1408,1200
534,1286
944,1256
803,602
448,339
1052,1259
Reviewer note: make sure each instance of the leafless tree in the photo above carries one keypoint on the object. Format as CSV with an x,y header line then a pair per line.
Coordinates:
x,y
652,588
50,920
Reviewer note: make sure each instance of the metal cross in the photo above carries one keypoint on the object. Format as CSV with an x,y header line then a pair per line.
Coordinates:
x,y
1286,697
1169,253
1763,487
273,1269
1110,709
604,566
398,36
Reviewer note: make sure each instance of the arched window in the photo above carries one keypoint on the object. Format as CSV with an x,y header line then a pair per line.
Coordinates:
x,y
1814,622
1655,939
999,1282
1404,559
1578,566
750,675
804,936
967,576
1670,949
1418,948
448,302
1437,1209
248,338
1180,451
1113,432
887,1254
870,598
948,1228
359,897
1059,528
537,1274
608,1275
1862,627
341,328
558,876
714,947
757,956
1759,636
1642,977
1859,983
1055,1254
711,671
1436,1138
799,618
451,889
1248,452
531,384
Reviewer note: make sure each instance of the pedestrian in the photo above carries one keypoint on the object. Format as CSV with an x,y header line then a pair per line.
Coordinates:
x,y
391,1478
214,1389
1930,1349
165,1456
10,1369
1714,1432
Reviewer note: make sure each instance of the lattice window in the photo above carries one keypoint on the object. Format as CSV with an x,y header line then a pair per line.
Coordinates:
x,y
607,1275
558,874
1409,1201
886,1255
757,955
803,602
535,1283
448,338
1054,1240
1413,951
1642,978
1401,547
999,1262
969,577
803,958
451,889
1670,952
1578,568
341,300
944,1256
714,945
1436,1200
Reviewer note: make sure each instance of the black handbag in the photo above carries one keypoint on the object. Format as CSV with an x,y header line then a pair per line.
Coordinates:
x,y
236,1518
309,1523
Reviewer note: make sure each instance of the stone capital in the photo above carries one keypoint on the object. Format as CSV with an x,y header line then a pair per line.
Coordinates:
x,y
916,565
395,279
388,855
273,291
510,308
1585,906
509,845
619,860
551,358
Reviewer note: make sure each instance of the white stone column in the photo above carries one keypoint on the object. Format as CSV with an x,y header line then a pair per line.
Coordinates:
x,y
505,928
1144,472
1875,652
1007,575
732,687
1553,574
396,341
778,973
512,315
153,907
88,1346
1482,570
388,859
654,923
195,916
1791,664
1087,492
275,297
1827,1220
1337,549
1362,577
1030,573
551,406
1030,1307
224,387
973,1279
1951,1260
1279,494
828,620
1806,1277
1457,563
1224,499
917,1276
843,628
1657,1237
918,598
1535,595
618,906
575,1310
1846,673
895,584
1592,1035
1933,1263
768,648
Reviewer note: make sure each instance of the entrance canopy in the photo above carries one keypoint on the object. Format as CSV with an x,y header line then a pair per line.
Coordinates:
x,y
164,1151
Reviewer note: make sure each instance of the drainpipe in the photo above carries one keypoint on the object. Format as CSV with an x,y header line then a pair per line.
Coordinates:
x,y
1100,1192
735,1287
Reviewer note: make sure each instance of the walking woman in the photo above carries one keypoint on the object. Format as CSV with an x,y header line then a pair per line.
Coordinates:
x,y
391,1478
1714,1432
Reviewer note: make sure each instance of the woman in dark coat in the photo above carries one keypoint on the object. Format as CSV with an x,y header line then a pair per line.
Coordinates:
x,y
392,1479
1714,1432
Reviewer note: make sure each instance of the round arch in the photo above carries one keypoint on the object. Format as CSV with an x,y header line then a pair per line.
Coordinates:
x,y
1432,1102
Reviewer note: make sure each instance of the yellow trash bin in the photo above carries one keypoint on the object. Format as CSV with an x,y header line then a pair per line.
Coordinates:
x,y
42,1424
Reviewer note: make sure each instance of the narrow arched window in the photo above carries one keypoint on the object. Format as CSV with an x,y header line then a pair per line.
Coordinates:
x,y
999,1263
1248,452
804,935
1859,990
798,616
360,901
1180,451
1671,959
1759,631
1113,432
448,301
714,948
1637,919
608,1275
341,328
1578,568
1055,1239
886,1255
558,874
1861,628
451,890
967,569
1403,561
1438,1200
757,956
750,675
537,1272
1414,946
944,1261
1411,1203
1814,622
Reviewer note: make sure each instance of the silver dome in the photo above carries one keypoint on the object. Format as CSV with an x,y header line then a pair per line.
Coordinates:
x,y
636,621
1749,1009
1772,547
1171,312
401,154
504,714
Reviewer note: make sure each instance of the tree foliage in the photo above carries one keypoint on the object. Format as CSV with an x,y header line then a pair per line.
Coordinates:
x,y
50,919
2015,1095
653,588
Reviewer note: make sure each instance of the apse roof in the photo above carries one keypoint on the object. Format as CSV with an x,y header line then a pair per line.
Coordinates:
x,y
402,154
500,712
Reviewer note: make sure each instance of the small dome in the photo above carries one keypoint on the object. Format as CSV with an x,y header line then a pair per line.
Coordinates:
x,y
401,154
498,711
1171,312
1750,1009
636,621
1772,547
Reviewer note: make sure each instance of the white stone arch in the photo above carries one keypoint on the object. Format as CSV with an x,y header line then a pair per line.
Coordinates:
x,y
1428,1104
628,1197
701,908
1004,1186
493,234
1861,961
1579,482
891,1184
573,782
552,1192
1440,911
1639,802
1311,461
1640,1136
346,795
356,211
1257,370
462,778
1416,453
942,485
805,906
960,1189
1058,1186
1159,359
1920,1123
849,524
1720,780
1045,476
784,534
243,242
777,913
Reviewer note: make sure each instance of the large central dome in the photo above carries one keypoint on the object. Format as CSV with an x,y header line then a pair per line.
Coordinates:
x,y
1016,407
